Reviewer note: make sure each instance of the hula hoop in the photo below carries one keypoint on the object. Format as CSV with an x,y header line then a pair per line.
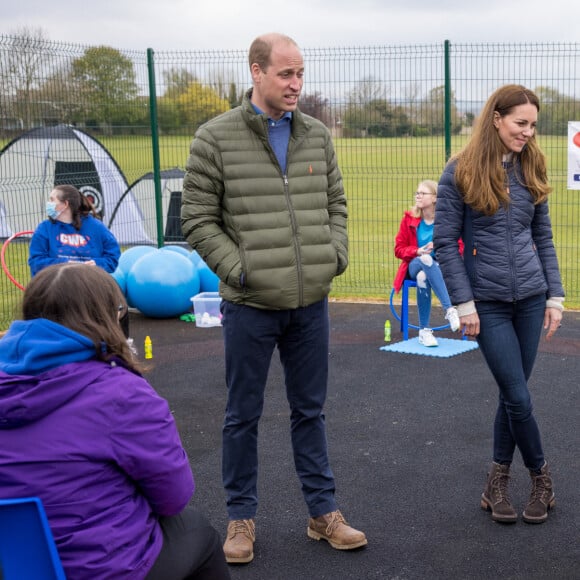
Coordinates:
x,y
3,251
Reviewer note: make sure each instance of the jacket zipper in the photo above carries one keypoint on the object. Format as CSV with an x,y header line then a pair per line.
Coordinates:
x,y
290,211
510,246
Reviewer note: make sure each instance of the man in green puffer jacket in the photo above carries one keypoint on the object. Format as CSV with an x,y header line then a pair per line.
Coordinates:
x,y
264,206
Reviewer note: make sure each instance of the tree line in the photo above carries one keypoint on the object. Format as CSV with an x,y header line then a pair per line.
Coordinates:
x,y
98,90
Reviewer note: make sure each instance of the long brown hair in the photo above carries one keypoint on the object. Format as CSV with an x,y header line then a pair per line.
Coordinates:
x,y
78,203
85,299
479,173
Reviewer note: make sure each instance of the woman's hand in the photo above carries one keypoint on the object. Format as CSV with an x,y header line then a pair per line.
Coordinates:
x,y
469,324
552,321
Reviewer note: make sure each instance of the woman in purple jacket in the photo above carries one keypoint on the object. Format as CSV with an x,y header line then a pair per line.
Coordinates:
x,y
84,431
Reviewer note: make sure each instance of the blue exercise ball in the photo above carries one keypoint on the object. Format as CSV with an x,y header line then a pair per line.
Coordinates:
x,y
179,249
195,258
161,284
208,280
130,256
120,278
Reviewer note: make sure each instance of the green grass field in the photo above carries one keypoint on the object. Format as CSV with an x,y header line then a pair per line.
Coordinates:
x,y
380,177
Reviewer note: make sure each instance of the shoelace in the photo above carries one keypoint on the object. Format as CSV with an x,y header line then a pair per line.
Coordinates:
x,y
500,485
541,488
242,527
336,519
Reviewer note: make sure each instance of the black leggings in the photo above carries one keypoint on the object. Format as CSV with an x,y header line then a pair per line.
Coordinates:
x,y
192,549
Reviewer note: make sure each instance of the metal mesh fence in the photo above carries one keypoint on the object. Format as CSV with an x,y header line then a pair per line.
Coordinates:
x,y
118,124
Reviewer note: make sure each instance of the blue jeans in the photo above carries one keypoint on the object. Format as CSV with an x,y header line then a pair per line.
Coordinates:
x,y
302,338
509,337
431,279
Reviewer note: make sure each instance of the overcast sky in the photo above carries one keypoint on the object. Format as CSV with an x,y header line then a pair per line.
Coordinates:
x,y
233,24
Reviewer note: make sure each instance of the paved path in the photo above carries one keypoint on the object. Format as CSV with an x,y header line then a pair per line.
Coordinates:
x,y
410,441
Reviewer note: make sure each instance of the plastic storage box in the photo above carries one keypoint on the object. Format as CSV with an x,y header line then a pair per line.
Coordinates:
x,y
206,307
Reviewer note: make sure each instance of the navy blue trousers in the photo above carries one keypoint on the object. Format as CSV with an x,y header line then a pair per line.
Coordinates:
x,y
302,338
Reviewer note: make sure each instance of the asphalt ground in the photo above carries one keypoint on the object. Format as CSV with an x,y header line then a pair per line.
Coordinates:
x,y
410,442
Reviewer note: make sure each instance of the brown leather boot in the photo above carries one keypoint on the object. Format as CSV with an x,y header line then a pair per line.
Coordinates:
x,y
333,528
239,544
495,495
541,499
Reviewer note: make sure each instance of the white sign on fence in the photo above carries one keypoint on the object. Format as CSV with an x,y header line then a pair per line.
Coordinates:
x,y
573,154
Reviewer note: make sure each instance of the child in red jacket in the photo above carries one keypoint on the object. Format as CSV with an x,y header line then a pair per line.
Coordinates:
x,y
414,246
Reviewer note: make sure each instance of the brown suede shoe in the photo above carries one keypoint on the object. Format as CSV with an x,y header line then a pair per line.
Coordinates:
x,y
239,544
333,528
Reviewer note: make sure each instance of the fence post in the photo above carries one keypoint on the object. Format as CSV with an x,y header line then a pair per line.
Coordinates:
x,y
155,146
448,123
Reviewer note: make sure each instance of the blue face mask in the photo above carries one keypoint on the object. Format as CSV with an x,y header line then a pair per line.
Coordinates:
x,y
51,210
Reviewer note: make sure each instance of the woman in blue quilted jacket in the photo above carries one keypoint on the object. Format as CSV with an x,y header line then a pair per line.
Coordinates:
x,y
507,287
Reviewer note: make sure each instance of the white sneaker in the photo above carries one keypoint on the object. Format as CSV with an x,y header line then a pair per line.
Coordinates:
x,y
426,337
453,318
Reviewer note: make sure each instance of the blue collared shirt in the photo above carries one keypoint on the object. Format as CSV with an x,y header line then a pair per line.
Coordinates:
x,y
279,135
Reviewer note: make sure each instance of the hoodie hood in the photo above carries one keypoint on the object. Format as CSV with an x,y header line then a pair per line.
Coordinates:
x,y
41,367
34,346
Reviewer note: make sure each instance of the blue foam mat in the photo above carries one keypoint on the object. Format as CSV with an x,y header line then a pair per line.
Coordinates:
x,y
448,347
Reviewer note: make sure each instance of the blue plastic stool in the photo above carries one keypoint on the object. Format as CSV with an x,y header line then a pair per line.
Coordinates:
x,y
404,318
27,548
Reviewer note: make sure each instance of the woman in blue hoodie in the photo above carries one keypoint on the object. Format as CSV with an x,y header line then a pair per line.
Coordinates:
x,y
72,233
102,449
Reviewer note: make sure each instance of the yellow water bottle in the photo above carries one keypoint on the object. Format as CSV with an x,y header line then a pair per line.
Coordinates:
x,y
387,330
148,347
